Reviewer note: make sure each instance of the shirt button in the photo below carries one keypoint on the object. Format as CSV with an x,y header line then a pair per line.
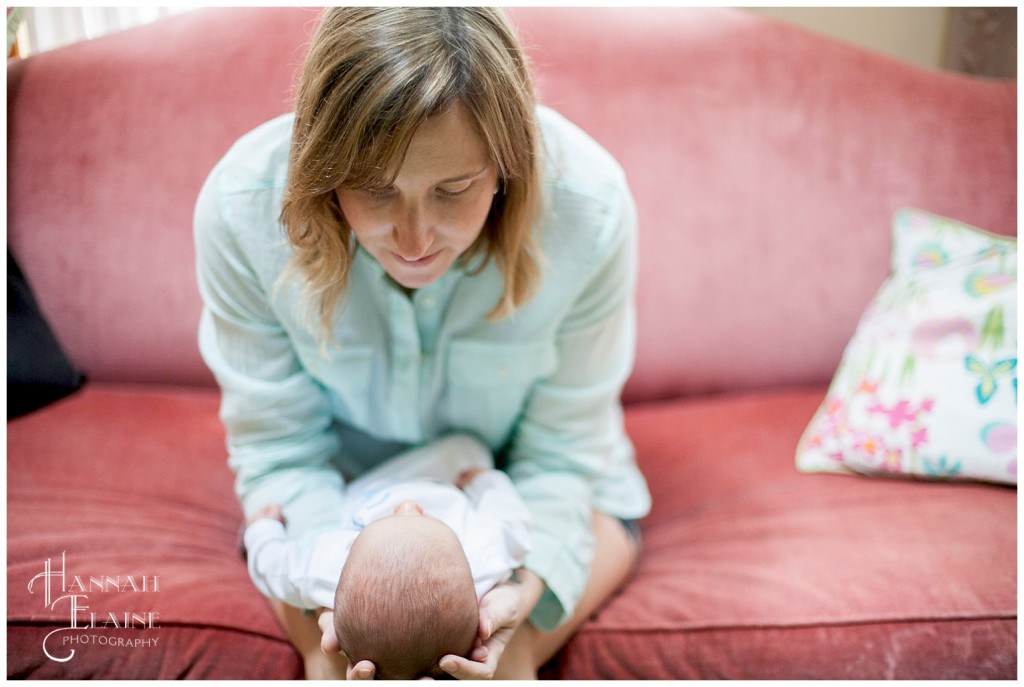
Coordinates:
x,y
428,301
502,372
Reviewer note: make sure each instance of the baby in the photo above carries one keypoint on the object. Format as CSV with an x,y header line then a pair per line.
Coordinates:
x,y
421,538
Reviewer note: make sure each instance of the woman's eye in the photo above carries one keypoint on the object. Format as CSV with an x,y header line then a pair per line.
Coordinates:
x,y
378,192
453,192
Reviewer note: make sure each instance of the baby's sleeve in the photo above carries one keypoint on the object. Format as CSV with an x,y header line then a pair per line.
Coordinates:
x,y
301,573
495,497
272,560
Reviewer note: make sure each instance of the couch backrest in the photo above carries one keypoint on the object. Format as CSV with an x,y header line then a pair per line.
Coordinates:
x,y
766,163
110,141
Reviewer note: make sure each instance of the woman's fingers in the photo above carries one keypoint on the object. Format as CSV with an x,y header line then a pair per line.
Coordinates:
x,y
499,619
483,661
499,608
329,640
273,511
463,669
362,670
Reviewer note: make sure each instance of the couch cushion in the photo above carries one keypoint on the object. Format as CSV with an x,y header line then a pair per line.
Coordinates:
x,y
752,570
748,564
131,484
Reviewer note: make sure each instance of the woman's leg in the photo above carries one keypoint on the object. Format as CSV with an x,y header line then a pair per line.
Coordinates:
x,y
304,634
615,555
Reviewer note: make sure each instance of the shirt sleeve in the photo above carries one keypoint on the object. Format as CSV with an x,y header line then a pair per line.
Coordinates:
x,y
278,419
275,562
572,431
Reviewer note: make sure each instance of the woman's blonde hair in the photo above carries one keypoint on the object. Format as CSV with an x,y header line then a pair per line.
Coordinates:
x,y
372,76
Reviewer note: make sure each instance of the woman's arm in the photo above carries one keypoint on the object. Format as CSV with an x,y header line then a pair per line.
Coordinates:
x,y
571,434
572,430
278,420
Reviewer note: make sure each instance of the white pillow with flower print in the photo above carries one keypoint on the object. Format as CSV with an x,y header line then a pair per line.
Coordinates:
x,y
928,384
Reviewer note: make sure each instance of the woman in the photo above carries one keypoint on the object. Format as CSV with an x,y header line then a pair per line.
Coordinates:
x,y
420,249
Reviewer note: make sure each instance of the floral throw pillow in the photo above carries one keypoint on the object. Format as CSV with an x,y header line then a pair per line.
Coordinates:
x,y
928,384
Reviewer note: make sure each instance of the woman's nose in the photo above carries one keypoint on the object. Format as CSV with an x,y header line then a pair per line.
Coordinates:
x,y
408,507
412,237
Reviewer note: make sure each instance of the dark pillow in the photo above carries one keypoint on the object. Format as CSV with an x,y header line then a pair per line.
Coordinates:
x,y
38,372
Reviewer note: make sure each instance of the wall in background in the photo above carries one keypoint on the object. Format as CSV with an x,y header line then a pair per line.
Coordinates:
x,y
980,41
914,34
974,40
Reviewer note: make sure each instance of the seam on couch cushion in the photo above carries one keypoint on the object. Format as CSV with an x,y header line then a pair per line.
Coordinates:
x,y
705,627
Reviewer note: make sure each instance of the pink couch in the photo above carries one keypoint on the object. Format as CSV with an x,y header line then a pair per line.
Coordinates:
x,y
766,163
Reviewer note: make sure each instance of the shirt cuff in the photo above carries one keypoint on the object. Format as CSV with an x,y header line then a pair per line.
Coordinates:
x,y
564,578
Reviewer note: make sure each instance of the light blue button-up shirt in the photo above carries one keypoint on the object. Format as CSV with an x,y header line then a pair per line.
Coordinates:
x,y
540,388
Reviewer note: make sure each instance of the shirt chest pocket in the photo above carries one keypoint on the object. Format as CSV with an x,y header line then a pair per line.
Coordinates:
x,y
489,383
346,373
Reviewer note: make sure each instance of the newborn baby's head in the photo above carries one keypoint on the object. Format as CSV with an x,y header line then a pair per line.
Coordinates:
x,y
405,597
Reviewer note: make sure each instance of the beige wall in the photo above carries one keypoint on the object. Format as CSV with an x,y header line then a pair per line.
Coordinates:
x,y
914,34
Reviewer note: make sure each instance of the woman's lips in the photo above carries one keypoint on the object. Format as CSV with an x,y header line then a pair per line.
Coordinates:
x,y
422,262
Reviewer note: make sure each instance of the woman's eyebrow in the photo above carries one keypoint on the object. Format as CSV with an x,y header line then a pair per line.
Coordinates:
x,y
465,177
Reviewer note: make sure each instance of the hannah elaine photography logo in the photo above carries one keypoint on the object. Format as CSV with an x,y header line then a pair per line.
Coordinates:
x,y
68,595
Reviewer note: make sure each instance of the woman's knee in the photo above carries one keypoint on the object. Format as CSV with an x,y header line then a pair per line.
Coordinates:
x,y
615,556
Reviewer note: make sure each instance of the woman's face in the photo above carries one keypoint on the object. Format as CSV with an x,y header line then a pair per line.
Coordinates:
x,y
436,207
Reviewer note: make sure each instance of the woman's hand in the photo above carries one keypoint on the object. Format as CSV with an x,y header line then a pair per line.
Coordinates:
x,y
273,512
362,670
502,610
467,476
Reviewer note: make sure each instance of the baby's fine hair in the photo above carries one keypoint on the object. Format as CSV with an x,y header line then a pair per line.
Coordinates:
x,y
405,605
